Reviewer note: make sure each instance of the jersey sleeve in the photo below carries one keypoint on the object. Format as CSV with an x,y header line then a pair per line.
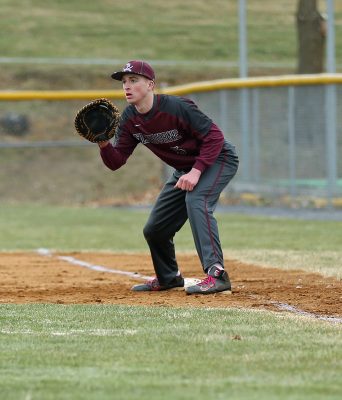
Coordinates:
x,y
210,148
115,155
208,134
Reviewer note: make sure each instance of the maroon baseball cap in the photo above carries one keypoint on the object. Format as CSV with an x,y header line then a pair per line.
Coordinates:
x,y
137,67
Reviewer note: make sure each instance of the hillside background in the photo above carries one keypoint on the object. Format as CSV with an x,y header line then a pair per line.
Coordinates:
x,y
198,32
81,42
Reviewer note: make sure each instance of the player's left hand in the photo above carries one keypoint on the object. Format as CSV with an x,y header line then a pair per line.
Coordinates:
x,y
188,181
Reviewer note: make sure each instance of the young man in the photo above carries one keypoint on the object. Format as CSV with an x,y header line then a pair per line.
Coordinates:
x,y
177,132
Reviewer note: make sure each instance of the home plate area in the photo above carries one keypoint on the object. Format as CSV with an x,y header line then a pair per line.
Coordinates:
x,y
86,277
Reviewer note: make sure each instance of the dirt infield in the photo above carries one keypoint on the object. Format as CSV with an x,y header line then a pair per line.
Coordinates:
x,y
33,278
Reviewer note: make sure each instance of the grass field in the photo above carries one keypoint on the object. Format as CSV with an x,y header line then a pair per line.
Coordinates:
x,y
107,352
124,352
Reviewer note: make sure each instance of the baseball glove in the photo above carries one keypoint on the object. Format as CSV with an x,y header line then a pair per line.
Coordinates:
x,y
97,121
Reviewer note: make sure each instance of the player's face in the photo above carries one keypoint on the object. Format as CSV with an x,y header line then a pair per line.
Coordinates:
x,y
136,88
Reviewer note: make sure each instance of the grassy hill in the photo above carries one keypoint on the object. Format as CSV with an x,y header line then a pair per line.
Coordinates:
x,y
197,31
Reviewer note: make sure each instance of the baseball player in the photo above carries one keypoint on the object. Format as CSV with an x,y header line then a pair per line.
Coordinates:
x,y
181,135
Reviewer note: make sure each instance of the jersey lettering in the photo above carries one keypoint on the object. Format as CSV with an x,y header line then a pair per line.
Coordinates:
x,y
158,138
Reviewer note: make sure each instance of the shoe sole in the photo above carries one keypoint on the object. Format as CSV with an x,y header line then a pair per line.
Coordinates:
x,y
222,292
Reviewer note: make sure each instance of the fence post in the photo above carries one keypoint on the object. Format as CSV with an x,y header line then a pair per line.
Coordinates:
x,y
331,141
223,112
292,139
244,126
255,129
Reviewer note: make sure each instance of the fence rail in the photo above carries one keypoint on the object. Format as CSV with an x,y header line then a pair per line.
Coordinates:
x,y
287,129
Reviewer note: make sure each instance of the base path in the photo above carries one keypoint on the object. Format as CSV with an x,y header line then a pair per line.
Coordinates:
x,y
35,278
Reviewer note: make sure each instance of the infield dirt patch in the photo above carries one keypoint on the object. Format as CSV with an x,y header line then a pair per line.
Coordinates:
x,y
33,278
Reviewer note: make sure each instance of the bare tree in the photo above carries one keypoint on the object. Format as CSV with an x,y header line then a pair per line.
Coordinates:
x,y
311,28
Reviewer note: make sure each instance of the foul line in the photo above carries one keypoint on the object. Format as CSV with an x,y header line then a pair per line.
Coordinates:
x,y
100,268
94,267
188,281
72,332
295,310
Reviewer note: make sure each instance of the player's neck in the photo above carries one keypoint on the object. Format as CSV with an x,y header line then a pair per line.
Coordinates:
x,y
146,104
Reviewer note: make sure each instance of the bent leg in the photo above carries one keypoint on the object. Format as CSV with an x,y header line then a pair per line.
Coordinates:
x,y
201,204
167,217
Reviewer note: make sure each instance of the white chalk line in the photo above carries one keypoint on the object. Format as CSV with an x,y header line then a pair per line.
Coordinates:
x,y
94,267
188,282
100,268
72,332
295,310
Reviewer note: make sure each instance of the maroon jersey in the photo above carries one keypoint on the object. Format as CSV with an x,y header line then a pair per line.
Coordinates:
x,y
174,129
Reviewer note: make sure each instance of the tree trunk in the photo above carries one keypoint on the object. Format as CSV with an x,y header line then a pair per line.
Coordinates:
x,y
311,28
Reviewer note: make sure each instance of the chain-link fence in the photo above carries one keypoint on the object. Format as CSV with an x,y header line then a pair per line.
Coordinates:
x,y
288,136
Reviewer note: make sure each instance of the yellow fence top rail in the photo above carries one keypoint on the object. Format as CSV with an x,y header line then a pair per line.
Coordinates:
x,y
196,87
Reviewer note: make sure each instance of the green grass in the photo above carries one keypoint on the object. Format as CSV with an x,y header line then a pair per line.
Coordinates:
x,y
152,29
198,30
120,352
26,227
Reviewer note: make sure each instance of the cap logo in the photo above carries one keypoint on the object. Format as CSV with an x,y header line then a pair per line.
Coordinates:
x,y
128,67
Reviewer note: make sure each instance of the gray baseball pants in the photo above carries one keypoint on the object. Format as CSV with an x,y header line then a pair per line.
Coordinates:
x,y
174,206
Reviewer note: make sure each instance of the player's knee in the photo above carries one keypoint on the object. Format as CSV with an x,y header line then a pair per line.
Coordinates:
x,y
149,231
